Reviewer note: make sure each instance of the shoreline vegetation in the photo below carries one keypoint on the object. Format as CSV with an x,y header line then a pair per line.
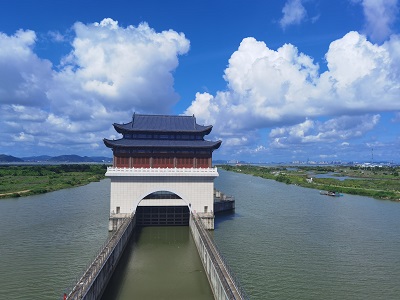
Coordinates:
x,y
376,182
18,181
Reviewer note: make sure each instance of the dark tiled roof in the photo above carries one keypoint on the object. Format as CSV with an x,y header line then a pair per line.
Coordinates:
x,y
162,123
128,143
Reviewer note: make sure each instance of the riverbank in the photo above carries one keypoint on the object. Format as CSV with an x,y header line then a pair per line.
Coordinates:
x,y
379,183
19,181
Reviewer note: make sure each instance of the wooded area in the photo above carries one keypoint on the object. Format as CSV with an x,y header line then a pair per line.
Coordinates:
x,y
17,181
376,182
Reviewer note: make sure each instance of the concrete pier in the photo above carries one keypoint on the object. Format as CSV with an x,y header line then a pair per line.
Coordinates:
x,y
222,202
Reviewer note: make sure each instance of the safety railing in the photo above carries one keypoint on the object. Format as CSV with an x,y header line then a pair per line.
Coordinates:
x,y
84,283
229,281
161,171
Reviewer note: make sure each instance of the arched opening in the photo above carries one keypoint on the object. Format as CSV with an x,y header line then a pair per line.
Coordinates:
x,y
162,208
162,195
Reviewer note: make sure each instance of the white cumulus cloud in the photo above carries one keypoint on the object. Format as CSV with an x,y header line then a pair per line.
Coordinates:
x,y
380,16
121,68
268,88
342,128
24,77
22,137
110,72
293,13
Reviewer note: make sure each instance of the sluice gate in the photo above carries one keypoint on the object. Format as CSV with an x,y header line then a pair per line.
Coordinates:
x,y
162,216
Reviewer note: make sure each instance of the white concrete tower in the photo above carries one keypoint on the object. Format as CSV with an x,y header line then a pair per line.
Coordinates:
x,y
162,170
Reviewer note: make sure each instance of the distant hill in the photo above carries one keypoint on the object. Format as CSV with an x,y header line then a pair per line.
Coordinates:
x,y
70,158
9,158
36,158
55,159
101,159
79,159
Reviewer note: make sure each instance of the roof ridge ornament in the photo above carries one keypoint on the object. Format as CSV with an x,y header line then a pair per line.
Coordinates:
x,y
133,118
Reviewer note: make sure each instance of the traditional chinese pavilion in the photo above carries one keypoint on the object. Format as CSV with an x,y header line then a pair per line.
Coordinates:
x,y
162,167
160,141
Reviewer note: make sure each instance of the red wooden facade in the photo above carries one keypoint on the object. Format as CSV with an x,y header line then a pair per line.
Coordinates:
x,y
161,162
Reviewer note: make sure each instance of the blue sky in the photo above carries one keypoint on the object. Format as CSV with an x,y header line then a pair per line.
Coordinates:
x,y
289,80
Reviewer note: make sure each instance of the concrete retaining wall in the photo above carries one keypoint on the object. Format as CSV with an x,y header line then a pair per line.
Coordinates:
x,y
219,276
93,283
224,206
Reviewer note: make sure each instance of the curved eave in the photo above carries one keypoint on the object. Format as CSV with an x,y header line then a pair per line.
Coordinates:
x,y
116,144
122,128
218,144
108,143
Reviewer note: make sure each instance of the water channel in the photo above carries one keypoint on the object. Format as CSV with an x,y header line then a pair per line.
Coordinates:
x,y
283,242
160,263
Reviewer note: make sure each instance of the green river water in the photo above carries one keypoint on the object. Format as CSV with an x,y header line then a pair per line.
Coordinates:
x,y
283,242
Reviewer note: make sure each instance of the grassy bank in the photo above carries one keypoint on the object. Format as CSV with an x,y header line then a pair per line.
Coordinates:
x,y
17,181
379,183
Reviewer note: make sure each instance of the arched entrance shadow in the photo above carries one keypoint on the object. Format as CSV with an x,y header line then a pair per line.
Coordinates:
x,y
162,208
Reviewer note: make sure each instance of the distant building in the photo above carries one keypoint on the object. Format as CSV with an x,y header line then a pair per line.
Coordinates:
x,y
162,167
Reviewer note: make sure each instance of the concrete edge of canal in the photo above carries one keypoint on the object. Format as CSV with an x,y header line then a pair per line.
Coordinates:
x,y
94,281
222,281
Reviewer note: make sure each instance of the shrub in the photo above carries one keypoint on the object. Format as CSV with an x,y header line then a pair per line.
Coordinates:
x,y
283,178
